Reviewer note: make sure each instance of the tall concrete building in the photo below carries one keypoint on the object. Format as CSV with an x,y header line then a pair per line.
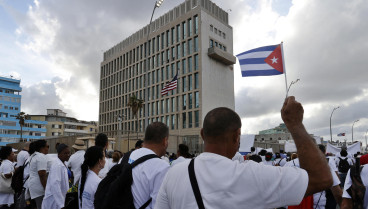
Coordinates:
x,y
193,41
10,104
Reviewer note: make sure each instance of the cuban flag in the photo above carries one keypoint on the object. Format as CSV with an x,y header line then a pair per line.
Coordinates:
x,y
341,134
262,61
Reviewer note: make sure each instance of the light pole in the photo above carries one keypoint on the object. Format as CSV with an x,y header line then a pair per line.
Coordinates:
x,y
352,131
292,83
157,5
330,121
366,140
120,119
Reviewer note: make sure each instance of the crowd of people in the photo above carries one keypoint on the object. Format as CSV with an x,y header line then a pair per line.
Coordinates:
x,y
220,177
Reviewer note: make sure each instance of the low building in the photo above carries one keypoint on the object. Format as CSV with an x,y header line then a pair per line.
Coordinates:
x,y
58,124
279,133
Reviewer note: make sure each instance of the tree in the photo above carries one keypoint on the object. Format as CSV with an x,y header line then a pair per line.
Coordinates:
x,y
21,117
135,104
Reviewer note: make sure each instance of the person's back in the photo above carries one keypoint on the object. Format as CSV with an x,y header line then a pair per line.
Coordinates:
x,y
22,156
75,162
148,176
349,196
222,182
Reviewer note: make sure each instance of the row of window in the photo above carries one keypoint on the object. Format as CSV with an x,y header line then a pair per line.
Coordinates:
x,y
185,84
6,91
216,44
171,37
9,99
218,32
8,107
187,120
188,63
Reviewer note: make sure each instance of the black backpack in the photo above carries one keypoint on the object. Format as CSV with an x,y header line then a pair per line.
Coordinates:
x,y
17,179
344,165
115,190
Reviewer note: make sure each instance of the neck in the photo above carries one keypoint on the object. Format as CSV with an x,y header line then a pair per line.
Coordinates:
x,y
155,148
96,169
221,148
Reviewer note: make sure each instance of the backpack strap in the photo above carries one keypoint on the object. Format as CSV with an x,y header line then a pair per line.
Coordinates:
x,y
193,182
139,161
142,159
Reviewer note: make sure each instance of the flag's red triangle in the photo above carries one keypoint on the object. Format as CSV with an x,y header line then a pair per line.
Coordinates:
x,y
275,60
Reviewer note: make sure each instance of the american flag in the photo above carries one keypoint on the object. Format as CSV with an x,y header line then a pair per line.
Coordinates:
x,y
170,86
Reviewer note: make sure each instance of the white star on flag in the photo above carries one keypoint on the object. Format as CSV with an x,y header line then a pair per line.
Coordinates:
x,y
274,60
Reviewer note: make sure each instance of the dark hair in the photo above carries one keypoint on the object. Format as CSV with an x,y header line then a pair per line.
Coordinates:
x,y
220,121
262,152
39,144
139,143
268,156
252,149
91,158
343,153
32,148
5,152
278,155
184,150
61,147
156,132
101,140
256,158
116,157
322,148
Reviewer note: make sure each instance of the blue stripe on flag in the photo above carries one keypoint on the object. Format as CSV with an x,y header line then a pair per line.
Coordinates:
x,y
263,48
260,73
252,61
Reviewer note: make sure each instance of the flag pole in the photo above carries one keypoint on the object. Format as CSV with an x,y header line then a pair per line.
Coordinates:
x,y
284,68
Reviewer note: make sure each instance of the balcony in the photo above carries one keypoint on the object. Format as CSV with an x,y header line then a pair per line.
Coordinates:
x,y
221,56
76,131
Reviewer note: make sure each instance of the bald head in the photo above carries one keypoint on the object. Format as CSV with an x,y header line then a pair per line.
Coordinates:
x,y
220,121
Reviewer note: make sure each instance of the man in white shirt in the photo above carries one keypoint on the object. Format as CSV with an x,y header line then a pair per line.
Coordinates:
x,y
76,160
102,140
182,153
148,176
23,155
224,183
347,199
343,163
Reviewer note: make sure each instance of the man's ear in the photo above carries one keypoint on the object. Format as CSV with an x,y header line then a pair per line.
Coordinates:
x,y
236,136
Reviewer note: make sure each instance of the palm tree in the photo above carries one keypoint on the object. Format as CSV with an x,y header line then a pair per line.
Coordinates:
x,y
21,117
135,104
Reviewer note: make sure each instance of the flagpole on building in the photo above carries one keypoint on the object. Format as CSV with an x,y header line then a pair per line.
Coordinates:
x,y
284,67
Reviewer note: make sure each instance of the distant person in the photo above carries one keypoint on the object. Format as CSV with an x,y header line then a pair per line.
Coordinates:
x,y
23,155
253,151
343,164
115,159
182,154
255,158
37,172
268,159
148,176
94,161
126,156
279,160
102,141
7,170
58,180
355,192
76,160
220,182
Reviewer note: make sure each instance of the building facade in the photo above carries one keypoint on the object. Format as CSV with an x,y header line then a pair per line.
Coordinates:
x,y
58,124
10,105
193,41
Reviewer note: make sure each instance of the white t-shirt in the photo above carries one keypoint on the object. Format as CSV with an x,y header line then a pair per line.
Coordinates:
x,y
89,191
267,162
293,163
348,182
56,187
103,172
147,177
22,157
224,183
280,161
75,162
179,160
6,168
350,161
238,157
38,163
320,197
332,163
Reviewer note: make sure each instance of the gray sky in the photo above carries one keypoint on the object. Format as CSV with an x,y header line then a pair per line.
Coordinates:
x,y
56,47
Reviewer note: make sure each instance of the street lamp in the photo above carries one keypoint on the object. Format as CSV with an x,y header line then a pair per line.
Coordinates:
x,y
292,83
352,131
330,120
157,5
120,119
